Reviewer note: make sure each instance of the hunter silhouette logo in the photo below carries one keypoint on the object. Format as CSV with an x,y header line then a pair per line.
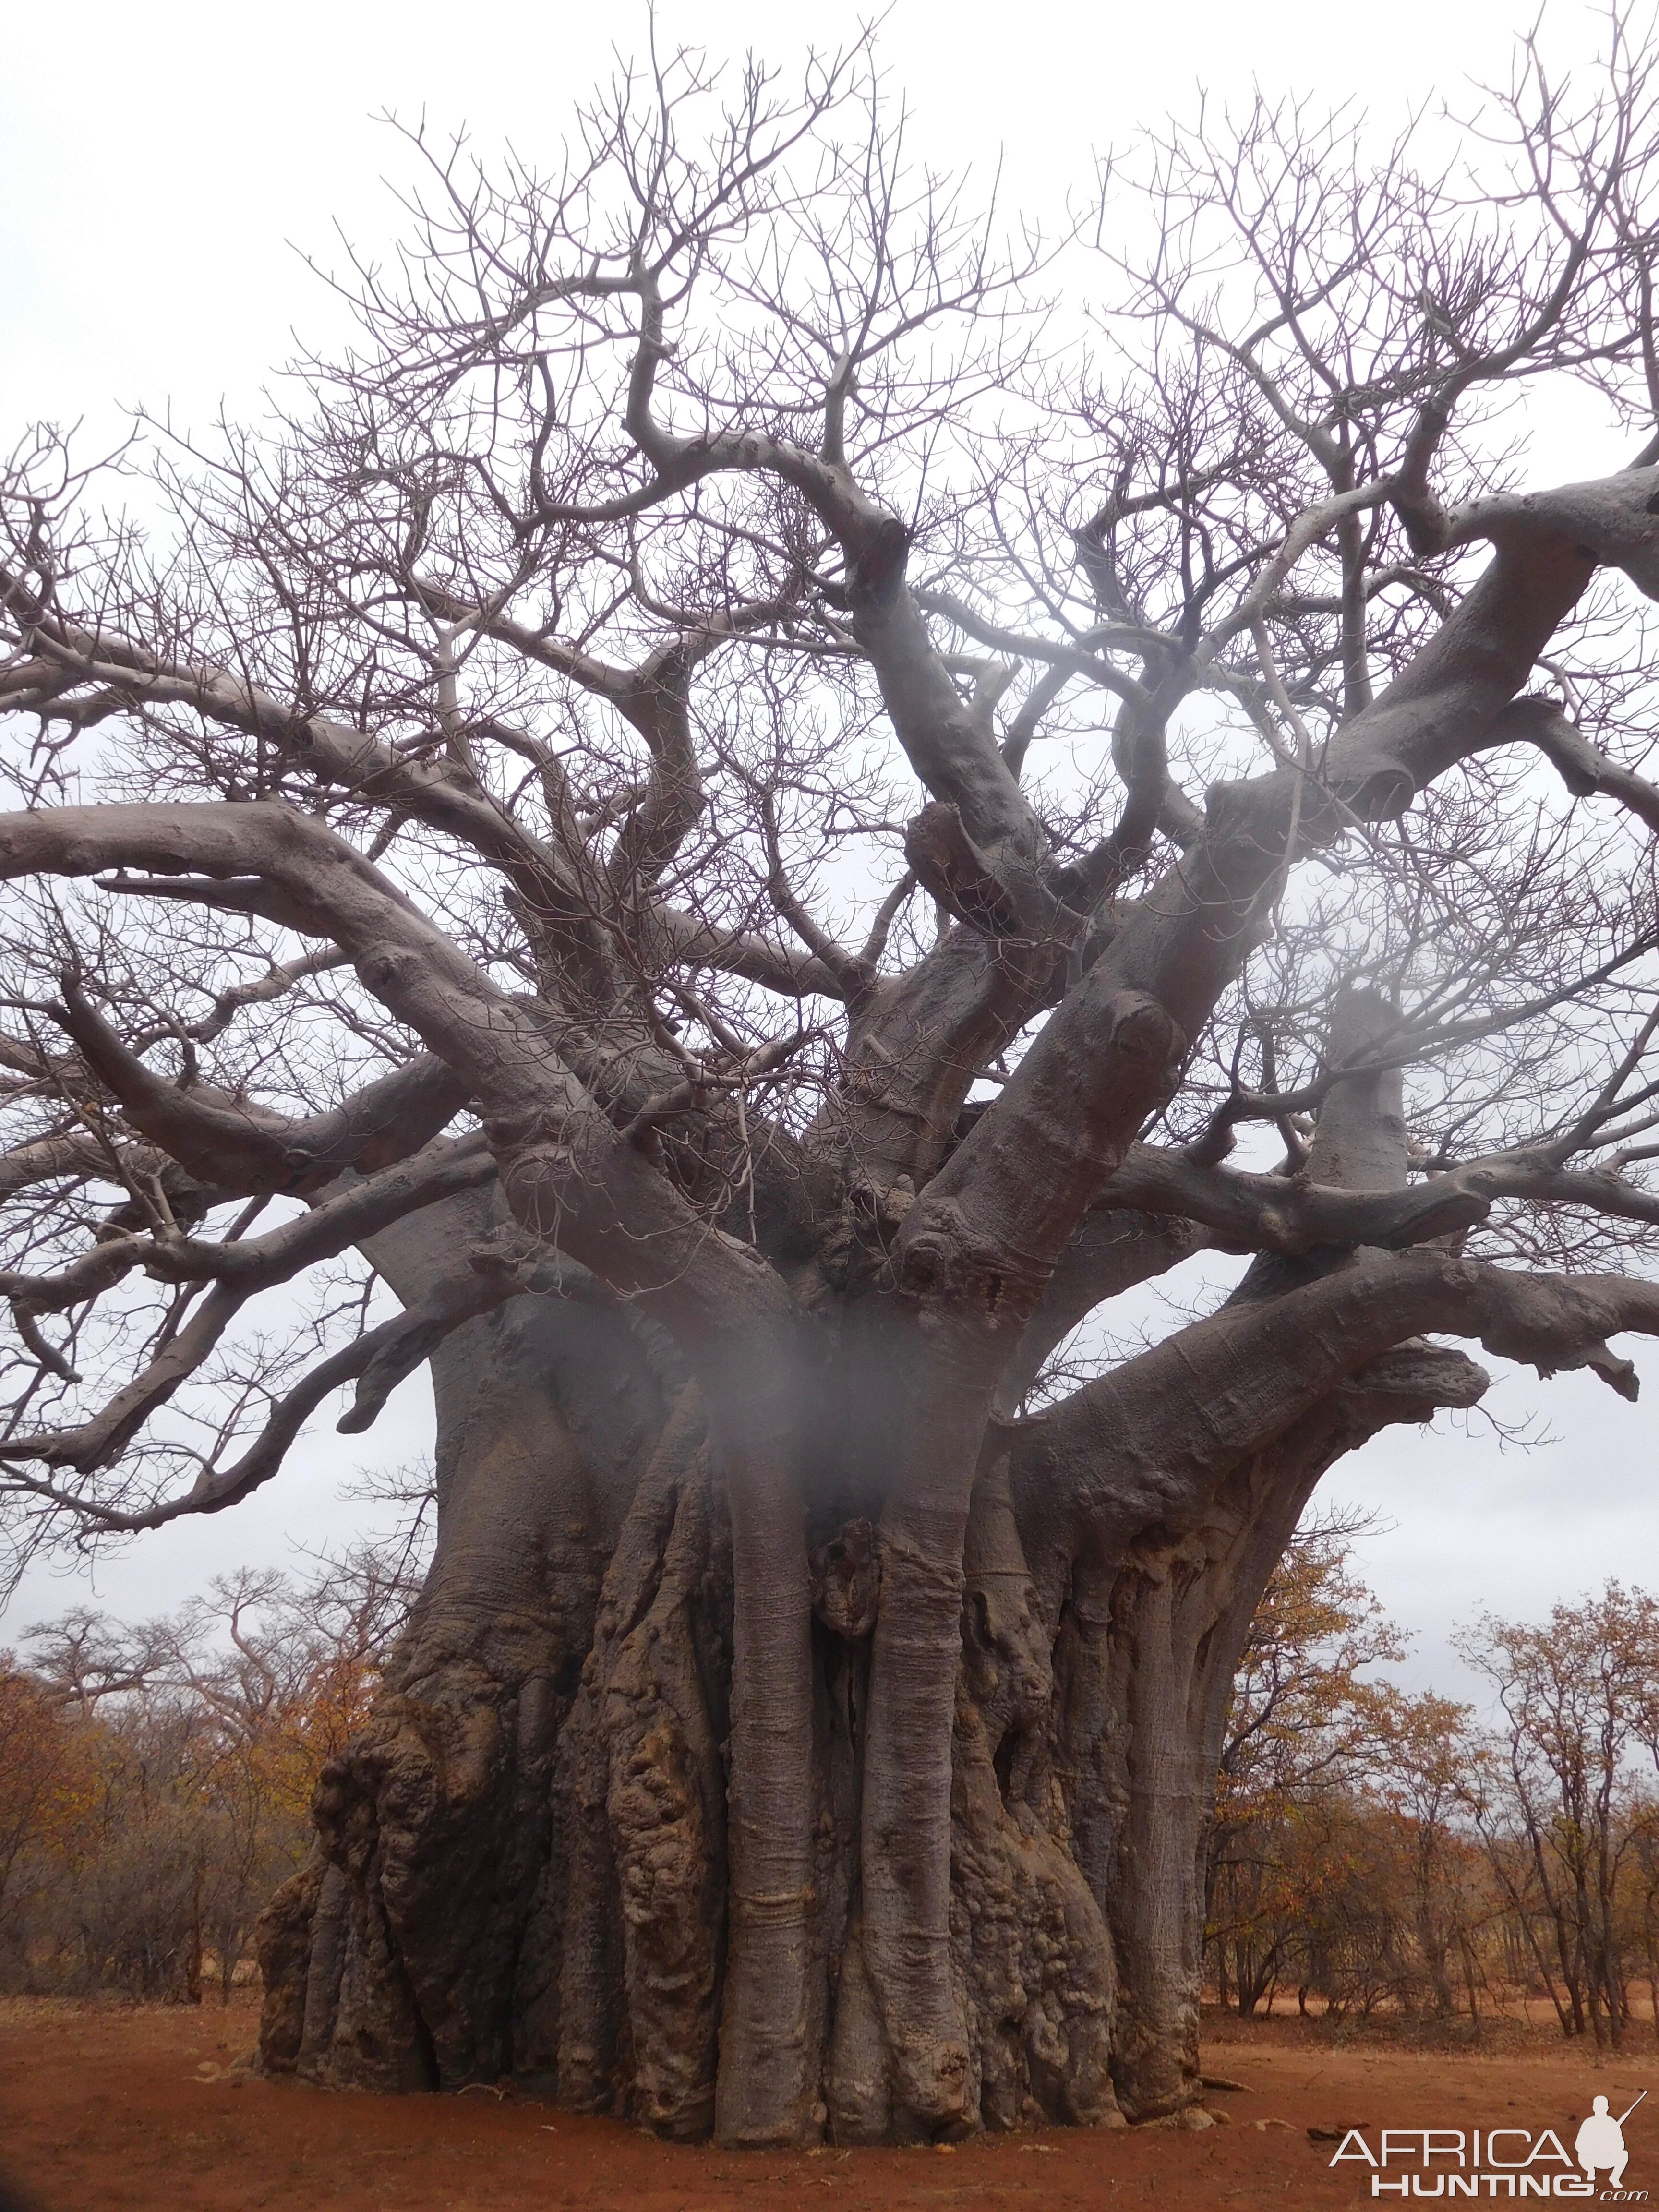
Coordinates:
x,y
1599,2142
1499,2162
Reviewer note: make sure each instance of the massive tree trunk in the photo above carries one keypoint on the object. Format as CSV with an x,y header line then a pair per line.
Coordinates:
x,y
435,1829
523,1864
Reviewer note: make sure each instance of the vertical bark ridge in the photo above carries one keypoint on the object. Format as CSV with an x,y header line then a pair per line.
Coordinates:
x,y
572,2015
1033,1952
775,1997
905,1825
666,1804
436,1816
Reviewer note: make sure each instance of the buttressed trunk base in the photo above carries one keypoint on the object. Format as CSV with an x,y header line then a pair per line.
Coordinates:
x,y
524,1865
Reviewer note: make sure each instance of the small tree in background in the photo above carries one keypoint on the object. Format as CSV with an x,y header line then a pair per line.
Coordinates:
x,y
156,1780
1303,1725
1567,1813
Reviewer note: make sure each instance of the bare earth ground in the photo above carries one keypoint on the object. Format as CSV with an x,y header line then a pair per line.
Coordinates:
x,y
105,2106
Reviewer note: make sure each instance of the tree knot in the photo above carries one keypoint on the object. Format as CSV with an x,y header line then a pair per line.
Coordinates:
x,y
845,1581
1140,1027
947,862
944,1262
877,568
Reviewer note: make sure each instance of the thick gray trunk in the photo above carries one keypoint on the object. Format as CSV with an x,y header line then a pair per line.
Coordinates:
x,y
663,1815
434,1827
522,1863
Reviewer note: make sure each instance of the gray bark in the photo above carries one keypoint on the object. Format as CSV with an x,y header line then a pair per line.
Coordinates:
x,y
526,1862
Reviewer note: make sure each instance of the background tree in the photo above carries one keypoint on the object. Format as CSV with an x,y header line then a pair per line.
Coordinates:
x,y
156,1780
1342,1857
1386,1850
1303,1725
716,834
1424,1768
1563,1784
43,1788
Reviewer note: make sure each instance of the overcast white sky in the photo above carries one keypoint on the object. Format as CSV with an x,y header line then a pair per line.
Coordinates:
x,y
162,167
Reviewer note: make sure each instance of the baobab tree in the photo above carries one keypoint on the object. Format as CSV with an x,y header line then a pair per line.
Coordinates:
x,y
770,793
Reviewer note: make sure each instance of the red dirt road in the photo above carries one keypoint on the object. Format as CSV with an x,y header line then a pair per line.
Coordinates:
x,y
113,2107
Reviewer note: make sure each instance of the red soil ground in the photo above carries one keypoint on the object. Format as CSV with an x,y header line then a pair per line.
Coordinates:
x,y
106,2106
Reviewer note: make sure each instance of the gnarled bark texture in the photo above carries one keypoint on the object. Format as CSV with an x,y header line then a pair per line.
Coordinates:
x,y
523,1865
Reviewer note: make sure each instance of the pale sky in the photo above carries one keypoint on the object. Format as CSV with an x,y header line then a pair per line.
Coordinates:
x,y
163,166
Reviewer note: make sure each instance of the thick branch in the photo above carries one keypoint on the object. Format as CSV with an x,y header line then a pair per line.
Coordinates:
x,y
567,1171
348,1218
234,1146
1160,977
438,793
1584,768
1297,1213
377,1360
1227,1385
